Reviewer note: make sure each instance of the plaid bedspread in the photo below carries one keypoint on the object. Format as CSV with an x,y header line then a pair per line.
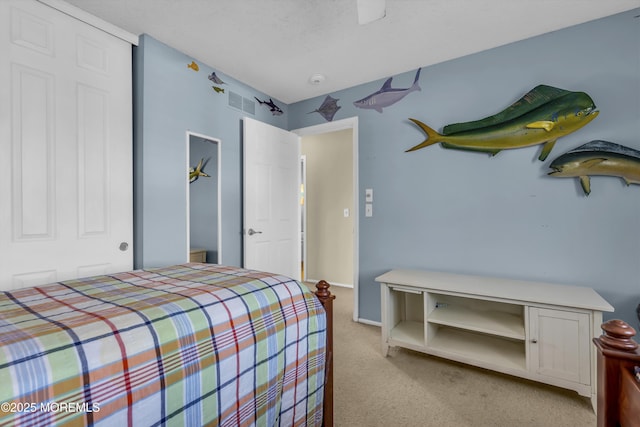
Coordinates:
x,y
187,345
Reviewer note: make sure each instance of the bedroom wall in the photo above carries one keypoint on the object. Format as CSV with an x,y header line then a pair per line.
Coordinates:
x,y
169,99
503,216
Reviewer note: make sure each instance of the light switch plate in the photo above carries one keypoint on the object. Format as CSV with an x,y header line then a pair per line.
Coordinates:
x,y
368,210
368,195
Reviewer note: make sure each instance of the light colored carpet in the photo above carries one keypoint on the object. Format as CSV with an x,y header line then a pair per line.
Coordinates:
x,y
412,389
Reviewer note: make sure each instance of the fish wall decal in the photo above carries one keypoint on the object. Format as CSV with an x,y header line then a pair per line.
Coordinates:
x,y
214,78
601,158
193,66
275,110
328,108
387,95
218,89
541,116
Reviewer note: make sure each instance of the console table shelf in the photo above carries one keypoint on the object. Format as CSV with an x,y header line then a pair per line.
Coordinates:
x,y
487,350
539,331
488,322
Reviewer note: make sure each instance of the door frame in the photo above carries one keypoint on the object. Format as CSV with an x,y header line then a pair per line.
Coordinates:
x,y
217,142
348,123
303,214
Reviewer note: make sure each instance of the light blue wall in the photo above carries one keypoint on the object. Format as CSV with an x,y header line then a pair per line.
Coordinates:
x,y
435,208
170,99
466,212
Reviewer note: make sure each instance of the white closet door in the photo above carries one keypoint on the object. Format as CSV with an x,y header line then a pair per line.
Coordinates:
x,y
65,147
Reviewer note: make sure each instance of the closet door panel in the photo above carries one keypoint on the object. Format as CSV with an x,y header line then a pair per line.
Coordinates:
x,y
66,141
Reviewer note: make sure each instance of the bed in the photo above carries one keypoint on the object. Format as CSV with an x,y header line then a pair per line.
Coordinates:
x,y
618,375
191,344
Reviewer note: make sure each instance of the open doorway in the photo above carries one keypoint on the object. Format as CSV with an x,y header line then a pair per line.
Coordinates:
x,y
203,199
329,199
343,213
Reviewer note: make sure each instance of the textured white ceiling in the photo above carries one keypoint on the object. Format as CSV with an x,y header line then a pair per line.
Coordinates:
x,y
276,45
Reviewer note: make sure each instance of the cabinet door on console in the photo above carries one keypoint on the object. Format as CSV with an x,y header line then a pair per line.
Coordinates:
x,y
559,344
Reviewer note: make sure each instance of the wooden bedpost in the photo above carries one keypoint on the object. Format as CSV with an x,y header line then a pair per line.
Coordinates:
x,y
325,297
617,355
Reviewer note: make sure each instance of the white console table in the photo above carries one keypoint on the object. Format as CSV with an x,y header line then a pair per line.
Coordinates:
x,y
533,330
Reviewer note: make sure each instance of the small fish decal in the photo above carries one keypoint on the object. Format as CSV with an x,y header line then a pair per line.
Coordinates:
x,y
275,110
328,108
218,89
193,66
541,116
387,96
214,78
598,158
197,172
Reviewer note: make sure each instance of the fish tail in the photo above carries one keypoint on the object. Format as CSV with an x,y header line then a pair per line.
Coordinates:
x,y
432,136
415,81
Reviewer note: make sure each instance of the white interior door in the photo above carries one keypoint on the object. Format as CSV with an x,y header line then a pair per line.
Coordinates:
x,y
271,220
65,147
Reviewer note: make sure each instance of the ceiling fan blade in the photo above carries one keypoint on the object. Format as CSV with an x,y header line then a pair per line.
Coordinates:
x,y
371,10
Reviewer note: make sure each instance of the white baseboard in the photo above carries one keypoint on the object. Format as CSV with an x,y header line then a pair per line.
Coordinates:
x,y
370,322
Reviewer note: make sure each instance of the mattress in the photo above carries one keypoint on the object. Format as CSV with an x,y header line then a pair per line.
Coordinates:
x,y
191,344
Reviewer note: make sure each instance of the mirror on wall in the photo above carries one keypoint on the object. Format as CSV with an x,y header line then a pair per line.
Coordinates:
x,y
203,199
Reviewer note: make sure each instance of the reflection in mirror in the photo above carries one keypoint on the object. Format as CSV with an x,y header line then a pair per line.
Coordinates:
x,y
204,198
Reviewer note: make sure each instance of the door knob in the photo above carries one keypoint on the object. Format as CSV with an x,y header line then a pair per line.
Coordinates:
x,y
251,232
123,246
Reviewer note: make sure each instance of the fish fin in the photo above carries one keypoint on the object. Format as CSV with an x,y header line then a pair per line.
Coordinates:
x,y
387,84
585,182
592,162
542,124
415,80
533,99
378,108
546,149
432,136
627,181
490,152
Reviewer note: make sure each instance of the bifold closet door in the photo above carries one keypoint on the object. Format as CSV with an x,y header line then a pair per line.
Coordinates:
x,y
66,147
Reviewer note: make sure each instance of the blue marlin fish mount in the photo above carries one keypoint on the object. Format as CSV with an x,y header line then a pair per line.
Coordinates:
x,y
541,116
387,96
602,158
